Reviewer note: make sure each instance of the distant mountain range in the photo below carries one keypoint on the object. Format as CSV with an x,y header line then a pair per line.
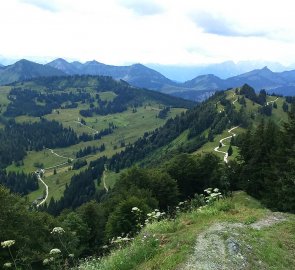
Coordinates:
x,y
223,70
139,75
24,70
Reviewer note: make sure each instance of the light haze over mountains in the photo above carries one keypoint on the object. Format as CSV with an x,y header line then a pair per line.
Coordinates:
x,y
204,80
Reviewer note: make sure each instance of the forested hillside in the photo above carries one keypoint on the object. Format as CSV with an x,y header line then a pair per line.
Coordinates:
x,y
61,124
156,172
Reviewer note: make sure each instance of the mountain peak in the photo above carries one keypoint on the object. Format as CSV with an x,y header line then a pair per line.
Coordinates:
x,y
138,65
266,69
25,69
59,60
24,61
93,62
63,65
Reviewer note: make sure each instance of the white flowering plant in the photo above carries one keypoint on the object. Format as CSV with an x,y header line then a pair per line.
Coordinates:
x,y
55,251
212,195
138,218
8,244
120,241
154,216
58,231
7,265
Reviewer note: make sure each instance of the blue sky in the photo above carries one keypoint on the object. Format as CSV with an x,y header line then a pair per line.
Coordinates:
x,y
170,32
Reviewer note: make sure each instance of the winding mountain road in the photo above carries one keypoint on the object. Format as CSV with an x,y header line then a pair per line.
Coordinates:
x,y
49,168
267,103
234,94
235,101
216,149
46,188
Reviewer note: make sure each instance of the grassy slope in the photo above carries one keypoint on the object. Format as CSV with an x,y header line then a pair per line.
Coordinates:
x,y
278,116
130,126
169,243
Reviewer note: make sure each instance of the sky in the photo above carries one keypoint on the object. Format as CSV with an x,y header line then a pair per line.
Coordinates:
x,y
167,32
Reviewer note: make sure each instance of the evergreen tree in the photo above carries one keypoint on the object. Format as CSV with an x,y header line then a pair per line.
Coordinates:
x,y
285,107
230,151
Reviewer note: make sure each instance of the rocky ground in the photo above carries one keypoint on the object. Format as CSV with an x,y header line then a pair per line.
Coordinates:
x,y
222,246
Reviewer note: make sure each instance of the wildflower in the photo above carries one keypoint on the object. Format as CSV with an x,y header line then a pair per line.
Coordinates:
x,y
54,251
46,261
216,190
7,243
135,209
7,265
208,190
71,255
58,230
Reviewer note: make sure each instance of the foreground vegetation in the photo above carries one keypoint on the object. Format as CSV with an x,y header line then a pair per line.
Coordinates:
x,y
168,243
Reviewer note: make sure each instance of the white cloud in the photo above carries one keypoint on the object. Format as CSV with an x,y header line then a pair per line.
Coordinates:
x,y
143,7
159,31
43,4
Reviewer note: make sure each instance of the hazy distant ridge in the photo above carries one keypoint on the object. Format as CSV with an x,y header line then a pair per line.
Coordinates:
x,y
141,76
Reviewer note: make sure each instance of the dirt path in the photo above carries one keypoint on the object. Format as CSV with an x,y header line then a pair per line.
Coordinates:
x,y
52,152
104,179
267,103
234,94
220,247
216,149
60,164
95,131
50,168
46,188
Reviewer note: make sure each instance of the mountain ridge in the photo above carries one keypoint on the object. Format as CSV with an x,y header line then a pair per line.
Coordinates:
x,y
142,76
262,78
25,69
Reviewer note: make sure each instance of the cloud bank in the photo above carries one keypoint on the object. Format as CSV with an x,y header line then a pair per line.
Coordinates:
x,y
148,31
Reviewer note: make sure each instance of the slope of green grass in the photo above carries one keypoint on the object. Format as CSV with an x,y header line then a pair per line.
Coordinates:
x,y
169,244
209,146
130,126
108,95
278,116
110,179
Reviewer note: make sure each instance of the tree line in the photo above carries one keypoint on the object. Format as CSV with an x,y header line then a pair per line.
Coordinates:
x,y
19,182
266,167
16,139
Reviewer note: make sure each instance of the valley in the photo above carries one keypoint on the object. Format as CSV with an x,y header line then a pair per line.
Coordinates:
x,y
129,125
87,148
147,135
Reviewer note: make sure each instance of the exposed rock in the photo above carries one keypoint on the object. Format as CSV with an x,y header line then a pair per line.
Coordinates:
x,y
219,247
